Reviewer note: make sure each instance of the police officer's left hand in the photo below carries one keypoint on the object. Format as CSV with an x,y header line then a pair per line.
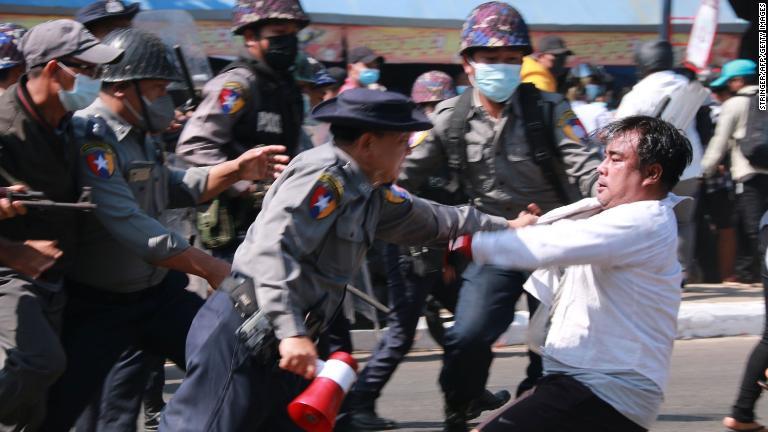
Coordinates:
x,y
529,216
262,163
299,355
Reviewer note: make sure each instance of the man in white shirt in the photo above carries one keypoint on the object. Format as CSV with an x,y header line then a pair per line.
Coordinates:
x,y
611,275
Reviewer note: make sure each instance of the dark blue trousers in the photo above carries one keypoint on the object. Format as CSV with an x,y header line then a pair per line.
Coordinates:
x,y
225,390
407,297
137,376
99,326
485,310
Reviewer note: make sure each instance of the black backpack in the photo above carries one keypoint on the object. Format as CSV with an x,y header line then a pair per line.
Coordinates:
x,y
539,131
754,145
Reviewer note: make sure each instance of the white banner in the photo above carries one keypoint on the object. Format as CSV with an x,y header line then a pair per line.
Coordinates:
x,y
702,34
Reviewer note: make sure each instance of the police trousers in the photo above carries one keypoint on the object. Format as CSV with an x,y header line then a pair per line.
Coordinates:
x,y
225,390
485,309
31,356
407,297
137,377
99,326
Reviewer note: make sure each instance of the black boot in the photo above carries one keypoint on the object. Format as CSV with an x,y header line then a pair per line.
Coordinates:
x,y
487,402
455,419
362,414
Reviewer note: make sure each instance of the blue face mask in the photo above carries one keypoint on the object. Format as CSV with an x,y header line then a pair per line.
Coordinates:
x,y
461,89
497,81
82,95
369,76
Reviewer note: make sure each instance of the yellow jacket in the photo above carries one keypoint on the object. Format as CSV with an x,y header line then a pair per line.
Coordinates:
x,y
536,74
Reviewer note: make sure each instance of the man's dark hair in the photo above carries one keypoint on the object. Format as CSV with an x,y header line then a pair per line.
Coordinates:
x,y
344,135
658,142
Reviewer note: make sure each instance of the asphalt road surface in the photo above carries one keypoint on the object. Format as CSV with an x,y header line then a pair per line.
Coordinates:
x,y
705,375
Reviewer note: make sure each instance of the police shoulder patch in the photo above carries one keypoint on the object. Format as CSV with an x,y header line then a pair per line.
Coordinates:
x,y
326,196
99,158
396,195
232,97
571,126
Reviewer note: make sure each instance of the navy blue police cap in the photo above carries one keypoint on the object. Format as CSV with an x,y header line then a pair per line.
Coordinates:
x,y
103,9
372,110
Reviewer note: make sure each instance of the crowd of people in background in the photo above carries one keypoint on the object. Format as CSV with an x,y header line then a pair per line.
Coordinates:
x,y
85,335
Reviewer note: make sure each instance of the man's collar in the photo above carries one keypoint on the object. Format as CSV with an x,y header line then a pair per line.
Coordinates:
x,y
28,105
513,104
119,125
356,175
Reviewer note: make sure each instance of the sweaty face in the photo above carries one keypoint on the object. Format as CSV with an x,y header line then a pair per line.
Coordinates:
x,y
385,154
620,180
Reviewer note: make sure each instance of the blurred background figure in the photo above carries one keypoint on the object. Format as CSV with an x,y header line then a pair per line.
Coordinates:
x,y
103,16
733,125
11,59
660,93
315,84
546,68
363,69
588,87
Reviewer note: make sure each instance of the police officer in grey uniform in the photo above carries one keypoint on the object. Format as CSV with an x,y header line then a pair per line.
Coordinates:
x,y
310,238
254,101
510,145
121,292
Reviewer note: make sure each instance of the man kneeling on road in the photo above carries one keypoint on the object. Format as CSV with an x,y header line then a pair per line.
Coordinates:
x,y
609,271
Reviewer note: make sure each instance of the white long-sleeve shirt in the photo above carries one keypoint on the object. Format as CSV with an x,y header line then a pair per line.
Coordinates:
x,y
620,284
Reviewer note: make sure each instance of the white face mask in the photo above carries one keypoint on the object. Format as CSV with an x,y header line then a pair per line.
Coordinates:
x,y
82,95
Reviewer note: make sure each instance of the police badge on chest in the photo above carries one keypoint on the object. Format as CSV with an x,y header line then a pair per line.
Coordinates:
x,y
269,122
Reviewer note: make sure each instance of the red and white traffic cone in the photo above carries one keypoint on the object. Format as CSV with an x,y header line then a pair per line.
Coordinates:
x,y
316,408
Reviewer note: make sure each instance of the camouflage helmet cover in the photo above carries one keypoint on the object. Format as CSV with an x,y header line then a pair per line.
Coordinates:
x,y
495,24
249,12
433,86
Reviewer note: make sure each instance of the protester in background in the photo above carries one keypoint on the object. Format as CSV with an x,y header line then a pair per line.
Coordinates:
x,y
591,84
718,198
740,76
742,416
654,61
546,68
363,69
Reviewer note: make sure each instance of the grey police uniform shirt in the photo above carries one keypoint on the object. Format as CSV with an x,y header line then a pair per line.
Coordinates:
x,y
209,136
210,129
131,186
318,220
501,177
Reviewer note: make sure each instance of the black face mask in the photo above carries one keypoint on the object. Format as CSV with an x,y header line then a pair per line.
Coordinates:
x,y
282,51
